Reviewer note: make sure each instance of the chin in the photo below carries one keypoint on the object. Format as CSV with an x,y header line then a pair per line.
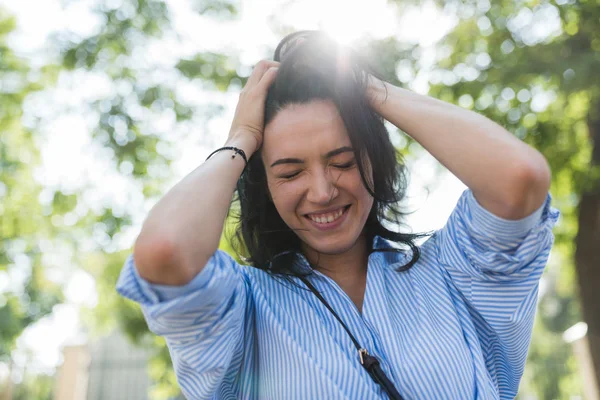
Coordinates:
x,y
331,247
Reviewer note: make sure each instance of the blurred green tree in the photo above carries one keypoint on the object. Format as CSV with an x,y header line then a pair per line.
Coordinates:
x,y
26,231
26,295
35,387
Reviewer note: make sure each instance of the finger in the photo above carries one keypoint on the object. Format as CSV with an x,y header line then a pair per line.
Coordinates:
x,y
268,78
259,70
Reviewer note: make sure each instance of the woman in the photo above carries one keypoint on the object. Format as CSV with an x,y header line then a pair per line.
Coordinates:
x,y
450,319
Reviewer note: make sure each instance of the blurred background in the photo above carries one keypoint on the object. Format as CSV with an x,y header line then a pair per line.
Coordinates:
x,y
105,104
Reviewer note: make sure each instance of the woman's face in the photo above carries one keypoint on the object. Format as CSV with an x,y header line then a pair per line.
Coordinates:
x,y
313,177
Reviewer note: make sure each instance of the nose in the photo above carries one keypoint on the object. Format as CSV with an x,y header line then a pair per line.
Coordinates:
x,y
323,188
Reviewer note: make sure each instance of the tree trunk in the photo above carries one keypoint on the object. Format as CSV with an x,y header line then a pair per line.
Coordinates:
x,y
587,253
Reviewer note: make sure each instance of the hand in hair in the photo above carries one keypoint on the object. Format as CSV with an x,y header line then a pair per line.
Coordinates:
x,y
377,91
248,122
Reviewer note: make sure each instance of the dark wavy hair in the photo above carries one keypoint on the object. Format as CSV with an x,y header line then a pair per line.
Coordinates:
x,y
314,67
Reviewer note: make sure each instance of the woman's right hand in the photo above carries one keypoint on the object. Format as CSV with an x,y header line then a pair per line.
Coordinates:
x,y
248,123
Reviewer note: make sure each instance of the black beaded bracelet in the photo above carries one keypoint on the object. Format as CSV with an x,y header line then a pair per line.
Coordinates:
x,y
236,151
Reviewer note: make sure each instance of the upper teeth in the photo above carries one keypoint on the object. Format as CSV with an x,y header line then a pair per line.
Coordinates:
x,y
326,218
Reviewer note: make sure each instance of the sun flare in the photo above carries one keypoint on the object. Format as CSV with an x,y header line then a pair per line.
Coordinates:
x,y
345,21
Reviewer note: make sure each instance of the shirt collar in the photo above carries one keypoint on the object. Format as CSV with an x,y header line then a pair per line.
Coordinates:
x,y
393,256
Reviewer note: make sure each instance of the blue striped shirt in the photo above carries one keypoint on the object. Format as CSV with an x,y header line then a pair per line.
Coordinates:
x,y
457,325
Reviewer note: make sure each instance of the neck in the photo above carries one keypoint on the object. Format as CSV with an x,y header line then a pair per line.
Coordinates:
x,y
347,269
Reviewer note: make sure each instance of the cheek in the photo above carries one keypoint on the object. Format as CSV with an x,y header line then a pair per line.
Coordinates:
x,y
285,198
360,192
356,185
366,198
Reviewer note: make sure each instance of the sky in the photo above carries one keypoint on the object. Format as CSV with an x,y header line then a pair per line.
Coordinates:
x,y
68,143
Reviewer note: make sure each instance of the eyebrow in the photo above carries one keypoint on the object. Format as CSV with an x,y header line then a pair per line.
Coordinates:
x,y
330,154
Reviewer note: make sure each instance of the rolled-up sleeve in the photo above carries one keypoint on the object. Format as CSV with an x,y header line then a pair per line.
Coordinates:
x,y
203,321
496,265
485,247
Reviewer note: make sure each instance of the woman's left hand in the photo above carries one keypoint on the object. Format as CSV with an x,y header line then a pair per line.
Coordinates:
x,y
377,91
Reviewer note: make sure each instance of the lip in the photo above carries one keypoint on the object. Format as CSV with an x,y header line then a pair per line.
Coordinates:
x,y
329,225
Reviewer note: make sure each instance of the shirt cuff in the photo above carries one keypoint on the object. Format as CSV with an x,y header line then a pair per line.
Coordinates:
x,y
160,293
500,227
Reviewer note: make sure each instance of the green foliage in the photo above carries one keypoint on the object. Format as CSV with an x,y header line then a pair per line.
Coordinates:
x,y
120,33
35,387
22,223
217,9
216,68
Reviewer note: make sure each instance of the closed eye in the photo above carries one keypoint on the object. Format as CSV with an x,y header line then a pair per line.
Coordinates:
x,y
345,165
290,176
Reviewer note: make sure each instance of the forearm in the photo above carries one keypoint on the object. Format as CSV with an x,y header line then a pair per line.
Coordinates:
x,y
183,230
508,177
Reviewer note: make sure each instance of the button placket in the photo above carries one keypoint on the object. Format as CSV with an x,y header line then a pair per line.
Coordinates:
x,y
375,275
365,336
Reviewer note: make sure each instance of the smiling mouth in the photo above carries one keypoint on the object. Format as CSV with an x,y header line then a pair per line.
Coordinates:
x,y
328,218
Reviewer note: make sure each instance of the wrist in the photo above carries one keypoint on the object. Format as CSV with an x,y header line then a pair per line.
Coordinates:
x,y
377,91
243,142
